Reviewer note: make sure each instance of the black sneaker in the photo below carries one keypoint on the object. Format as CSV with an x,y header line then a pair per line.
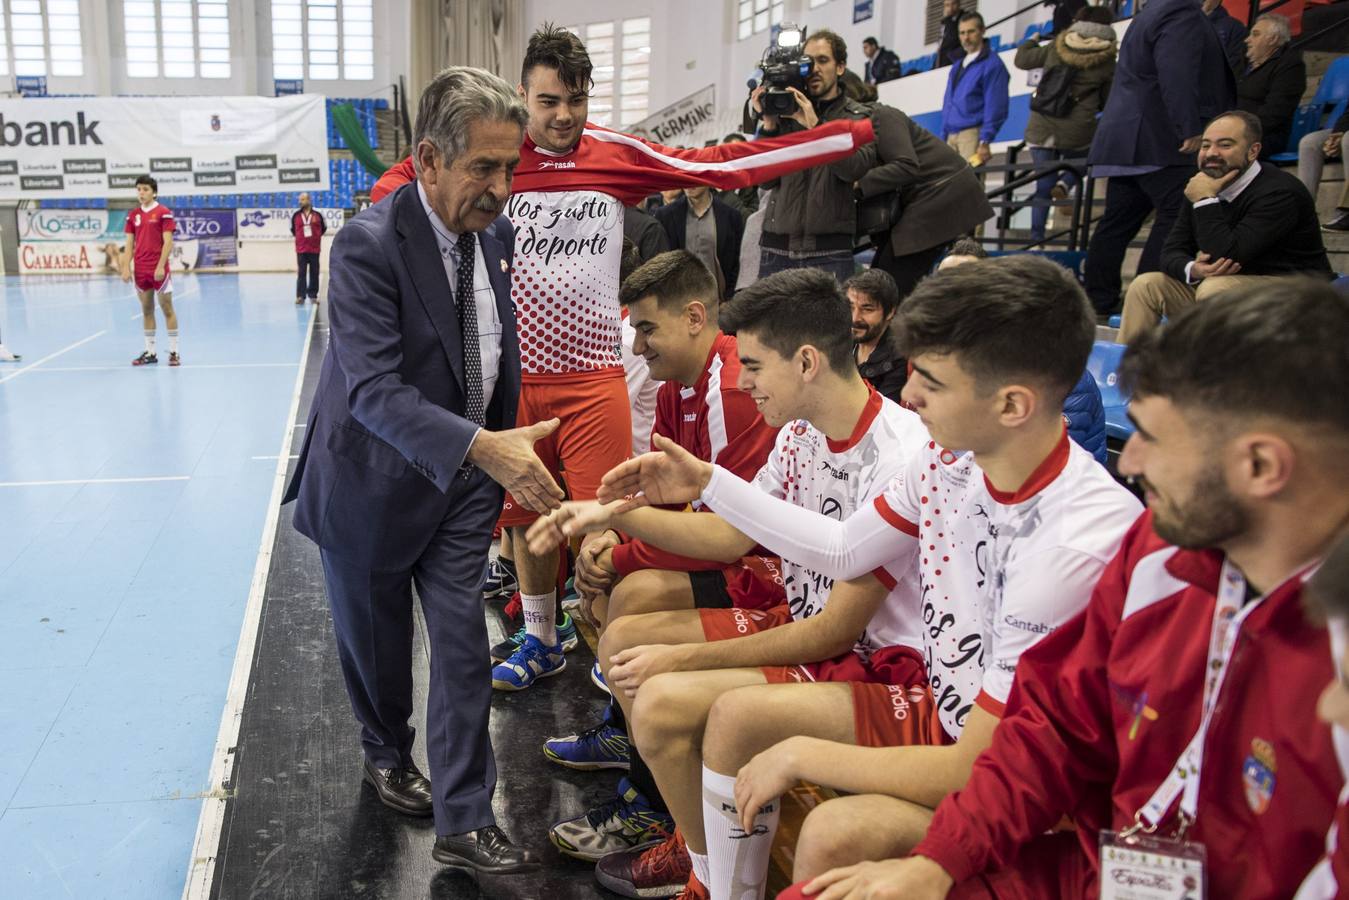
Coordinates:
x,y
501,580
1339,223
174,360
145,359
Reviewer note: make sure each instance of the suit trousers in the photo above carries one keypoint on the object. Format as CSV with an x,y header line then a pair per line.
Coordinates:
x,y
1128,200
373,619
1155,295
307,276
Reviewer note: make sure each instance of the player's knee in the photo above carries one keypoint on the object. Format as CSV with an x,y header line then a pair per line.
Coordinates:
x,y
661,716
829,838
732,738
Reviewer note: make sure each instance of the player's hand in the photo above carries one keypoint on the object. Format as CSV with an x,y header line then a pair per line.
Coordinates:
x,y
1204,186
1191,144
159,273
568,520
669,475
126,274
630,669
509,459
913,878
1332,144
1207,267
595,572
765,778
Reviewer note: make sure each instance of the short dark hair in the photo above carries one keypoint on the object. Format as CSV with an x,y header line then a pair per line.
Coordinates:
x,y
971,14
1008,318
557,48
838,47
871,40
1276,348
733,138
1255,132
787,310
968,247
146,179
1328,589
674,278
1101,15
877,284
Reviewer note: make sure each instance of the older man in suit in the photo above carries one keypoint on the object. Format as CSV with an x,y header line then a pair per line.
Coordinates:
x,y
407,452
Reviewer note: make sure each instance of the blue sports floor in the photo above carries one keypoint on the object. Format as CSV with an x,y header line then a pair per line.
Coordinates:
x,y
132,504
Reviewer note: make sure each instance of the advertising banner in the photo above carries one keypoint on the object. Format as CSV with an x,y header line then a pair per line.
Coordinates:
x,y
689,121
204,239
98,146
70,240
274,224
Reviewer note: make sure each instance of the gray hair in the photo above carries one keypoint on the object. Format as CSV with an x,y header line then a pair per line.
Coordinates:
x,y
455,99
1280,26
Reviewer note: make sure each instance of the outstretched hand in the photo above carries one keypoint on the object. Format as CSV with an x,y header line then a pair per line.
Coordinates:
x,y
509,459
667,476
568,520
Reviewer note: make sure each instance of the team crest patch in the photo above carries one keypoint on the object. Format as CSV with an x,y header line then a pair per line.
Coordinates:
x,y
1257,775
215,123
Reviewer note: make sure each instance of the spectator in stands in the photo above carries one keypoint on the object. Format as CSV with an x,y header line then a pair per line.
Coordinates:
x,y
1243,470
857,89
1231,34
874,298
962,251
746,199
811,214
1078,65
706,226
881,65
939,195
1273,82
1171,78
1241,219
1066,12
949,50
645,232
749,244
1318,146
307,226
975,104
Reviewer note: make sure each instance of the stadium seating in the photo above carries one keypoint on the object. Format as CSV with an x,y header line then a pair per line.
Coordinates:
x,y
1104,367
1326,106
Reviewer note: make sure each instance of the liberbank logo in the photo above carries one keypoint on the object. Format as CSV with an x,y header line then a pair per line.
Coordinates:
x,y
49,134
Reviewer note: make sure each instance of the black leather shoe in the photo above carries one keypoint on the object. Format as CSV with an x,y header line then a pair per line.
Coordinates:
x,y
486,850
405,790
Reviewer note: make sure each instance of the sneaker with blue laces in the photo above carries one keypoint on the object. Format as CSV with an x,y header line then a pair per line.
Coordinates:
x,y
566,636
597,678
532,661
618,824
600,747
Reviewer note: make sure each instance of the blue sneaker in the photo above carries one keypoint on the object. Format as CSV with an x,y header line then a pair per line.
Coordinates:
x,y
566,636
597,678
601,747
532,661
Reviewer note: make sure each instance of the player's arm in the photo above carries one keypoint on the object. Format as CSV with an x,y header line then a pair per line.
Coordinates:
x,y
167,236
701,535
127,256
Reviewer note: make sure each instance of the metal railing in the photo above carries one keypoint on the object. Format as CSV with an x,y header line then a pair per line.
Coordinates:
x,y
1003,199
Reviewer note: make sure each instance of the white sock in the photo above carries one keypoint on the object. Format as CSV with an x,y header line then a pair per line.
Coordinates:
x,y
739,861
700,867
540,616
149,342
173,341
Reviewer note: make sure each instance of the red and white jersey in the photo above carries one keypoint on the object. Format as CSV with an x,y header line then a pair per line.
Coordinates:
x,y
1000,571
567,209
835,479
148,225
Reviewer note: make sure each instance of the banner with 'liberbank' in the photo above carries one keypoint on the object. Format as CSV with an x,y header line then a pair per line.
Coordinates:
x,y
98,146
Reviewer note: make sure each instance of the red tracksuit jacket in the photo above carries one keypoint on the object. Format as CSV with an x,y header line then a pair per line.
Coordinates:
x,y
1103,707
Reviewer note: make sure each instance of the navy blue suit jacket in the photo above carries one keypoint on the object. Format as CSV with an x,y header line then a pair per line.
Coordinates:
x,y
1171,78
381,463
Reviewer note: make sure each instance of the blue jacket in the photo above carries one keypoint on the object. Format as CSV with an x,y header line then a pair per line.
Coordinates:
x,y
381,465
1085,417
976,95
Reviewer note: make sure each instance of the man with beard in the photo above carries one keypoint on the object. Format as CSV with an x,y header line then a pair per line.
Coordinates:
x,y
874,297
1182,701
1241,219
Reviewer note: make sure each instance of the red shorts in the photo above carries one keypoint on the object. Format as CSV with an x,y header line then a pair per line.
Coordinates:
x,y
145,279
725,624
755,582
595,433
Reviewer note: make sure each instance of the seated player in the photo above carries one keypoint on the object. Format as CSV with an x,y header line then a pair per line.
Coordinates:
x,y
1011,536
1194,663
840,443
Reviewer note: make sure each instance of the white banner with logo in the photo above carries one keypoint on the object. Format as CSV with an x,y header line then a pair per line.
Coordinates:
x,y
274,224
687,122
99,146
70,240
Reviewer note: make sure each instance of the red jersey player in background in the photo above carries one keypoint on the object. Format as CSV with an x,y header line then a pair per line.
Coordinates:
x,y
567,206
149,229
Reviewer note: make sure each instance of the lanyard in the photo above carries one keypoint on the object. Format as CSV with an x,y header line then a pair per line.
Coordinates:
x,y
1183,782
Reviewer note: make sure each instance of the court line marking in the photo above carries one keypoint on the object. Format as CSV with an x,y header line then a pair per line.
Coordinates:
x,y
274,456
51,356
147,480
128,368
206,844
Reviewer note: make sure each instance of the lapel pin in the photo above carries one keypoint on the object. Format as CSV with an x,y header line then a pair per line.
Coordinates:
x,y
504,267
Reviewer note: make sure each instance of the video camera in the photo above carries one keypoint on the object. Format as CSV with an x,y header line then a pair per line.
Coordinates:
x,y
785,65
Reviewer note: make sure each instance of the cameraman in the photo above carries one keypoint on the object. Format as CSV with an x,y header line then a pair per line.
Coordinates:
x,y
811,214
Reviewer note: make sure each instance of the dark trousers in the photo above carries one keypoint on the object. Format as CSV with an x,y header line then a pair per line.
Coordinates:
x,y
307,263
1044,185
909,269
838,263
372,620
1128,200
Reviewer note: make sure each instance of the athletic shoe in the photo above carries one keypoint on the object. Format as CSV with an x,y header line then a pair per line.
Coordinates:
x,y
145,359
566,636
620,824
655,869
597,678
500,580
174,360
694,890
1059,192
299,301
531,662
1339,223
600,747
570,598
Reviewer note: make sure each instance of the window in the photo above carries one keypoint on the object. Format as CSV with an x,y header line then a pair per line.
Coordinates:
x,y
177,38
42,38
325,40
815,3
757,15
621,55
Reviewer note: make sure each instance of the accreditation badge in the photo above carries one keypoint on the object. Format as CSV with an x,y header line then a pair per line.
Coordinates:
x,y
1143,867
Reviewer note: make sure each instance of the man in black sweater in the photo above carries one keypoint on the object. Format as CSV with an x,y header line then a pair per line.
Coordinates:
x,y
1241,220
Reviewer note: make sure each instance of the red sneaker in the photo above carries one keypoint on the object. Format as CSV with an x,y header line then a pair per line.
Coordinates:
x,y
655,869
694,890
174,360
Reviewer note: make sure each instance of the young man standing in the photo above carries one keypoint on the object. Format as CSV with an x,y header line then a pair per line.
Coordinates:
x,y
149,230
307,226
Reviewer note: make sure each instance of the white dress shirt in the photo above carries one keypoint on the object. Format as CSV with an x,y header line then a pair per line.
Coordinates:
x,y
484,298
